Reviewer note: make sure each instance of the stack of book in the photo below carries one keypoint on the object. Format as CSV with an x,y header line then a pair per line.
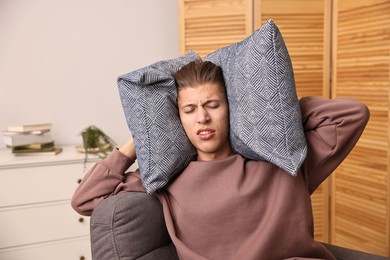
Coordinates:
x,y
33,139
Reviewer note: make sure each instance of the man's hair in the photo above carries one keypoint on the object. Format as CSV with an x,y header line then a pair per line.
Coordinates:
x,y
199,73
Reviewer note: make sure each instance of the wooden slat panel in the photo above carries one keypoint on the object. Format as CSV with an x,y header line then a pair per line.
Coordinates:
x,y
291,7
206,26
307,36
360,205
306,32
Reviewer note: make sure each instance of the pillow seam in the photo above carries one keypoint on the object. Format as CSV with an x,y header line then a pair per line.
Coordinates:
x,y
280,99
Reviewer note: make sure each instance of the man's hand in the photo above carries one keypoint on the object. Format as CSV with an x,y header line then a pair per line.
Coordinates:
x,y
128,149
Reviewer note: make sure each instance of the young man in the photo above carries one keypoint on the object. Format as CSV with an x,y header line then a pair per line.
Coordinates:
x,y
224,206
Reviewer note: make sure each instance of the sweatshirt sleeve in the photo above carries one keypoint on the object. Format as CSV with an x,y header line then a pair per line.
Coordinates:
x,y
332,128
106,178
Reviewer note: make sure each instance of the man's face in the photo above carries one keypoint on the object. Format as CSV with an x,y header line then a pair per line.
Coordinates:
x,y
203,111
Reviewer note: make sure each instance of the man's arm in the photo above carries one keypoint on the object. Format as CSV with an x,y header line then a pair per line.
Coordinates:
x,y
106,178
332,128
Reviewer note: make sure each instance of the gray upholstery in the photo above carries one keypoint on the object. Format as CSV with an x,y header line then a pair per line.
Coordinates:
x,y
348,254
131,225
128,226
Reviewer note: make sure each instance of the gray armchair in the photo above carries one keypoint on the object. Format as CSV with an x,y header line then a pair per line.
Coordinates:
x,y
131,225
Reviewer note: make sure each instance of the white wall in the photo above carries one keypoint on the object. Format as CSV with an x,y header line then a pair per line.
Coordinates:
x,y
59,60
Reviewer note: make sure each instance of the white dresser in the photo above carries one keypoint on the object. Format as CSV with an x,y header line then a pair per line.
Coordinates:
x,y
36,219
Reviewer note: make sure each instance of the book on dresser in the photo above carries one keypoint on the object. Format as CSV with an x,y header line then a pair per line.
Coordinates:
x,y
29,127
26,138
32,152
36,149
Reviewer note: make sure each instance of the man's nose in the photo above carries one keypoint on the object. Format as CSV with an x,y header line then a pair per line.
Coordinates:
x,y
202,116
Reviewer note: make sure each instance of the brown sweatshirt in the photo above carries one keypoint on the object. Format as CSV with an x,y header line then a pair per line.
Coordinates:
x,y
236,208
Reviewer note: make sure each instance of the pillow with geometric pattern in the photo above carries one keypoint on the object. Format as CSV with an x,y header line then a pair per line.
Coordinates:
x,y
149,101
265,117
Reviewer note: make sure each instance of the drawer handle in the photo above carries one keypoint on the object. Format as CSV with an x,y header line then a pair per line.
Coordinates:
x,y
79,181
82,258
81,220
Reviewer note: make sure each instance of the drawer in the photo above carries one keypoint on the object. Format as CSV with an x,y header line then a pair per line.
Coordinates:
x,y
72,249
39,184
40,223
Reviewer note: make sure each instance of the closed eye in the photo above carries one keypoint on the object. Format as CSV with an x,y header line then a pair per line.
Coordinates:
x,y
188,109
212,104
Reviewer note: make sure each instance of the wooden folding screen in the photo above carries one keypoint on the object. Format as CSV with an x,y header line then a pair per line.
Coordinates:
x,y
205,26
358,214
361,69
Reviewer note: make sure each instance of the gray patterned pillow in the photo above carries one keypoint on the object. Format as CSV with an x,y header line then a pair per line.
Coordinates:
x,y
265,117
148,97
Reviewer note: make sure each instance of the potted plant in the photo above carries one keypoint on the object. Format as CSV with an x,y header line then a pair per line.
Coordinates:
x,y
95,141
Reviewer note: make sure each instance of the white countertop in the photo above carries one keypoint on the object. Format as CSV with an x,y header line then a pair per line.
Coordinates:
x,y
69,154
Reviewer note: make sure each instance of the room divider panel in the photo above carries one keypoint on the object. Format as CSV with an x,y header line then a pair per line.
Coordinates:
x,y
205,26
338,48
361,69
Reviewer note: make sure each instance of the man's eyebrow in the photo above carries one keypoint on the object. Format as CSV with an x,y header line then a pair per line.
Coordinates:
x,y
188,105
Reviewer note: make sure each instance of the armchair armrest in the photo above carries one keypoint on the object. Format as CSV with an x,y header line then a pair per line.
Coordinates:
x,y
342,253
130,225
